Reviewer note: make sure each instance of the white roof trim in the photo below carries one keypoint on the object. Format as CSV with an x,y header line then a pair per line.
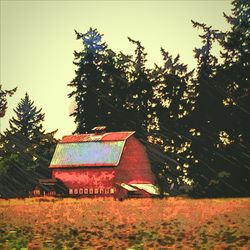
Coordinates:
x,y
127,187
149,188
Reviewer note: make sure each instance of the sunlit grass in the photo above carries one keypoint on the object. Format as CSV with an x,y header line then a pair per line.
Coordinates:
x,y
50,223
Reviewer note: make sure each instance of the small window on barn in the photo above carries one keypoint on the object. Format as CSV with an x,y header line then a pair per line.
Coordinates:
x,y
36,192
106,190
101,191
91,191
96,191
80,190
75,191
86,191
52,193
71,191
112,190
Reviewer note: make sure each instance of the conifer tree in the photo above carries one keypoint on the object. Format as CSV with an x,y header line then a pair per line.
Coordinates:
x,y
113,90
26,150
3,99
234,75
222,167
139,92
172,103
87,81
28,119
235,70
206,120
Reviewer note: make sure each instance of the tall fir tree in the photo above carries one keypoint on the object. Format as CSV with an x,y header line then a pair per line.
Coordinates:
x,y
172,103
3,99
221,115
28,119
234,75
234,72
206,121
140,92
26,150
113,90
87,81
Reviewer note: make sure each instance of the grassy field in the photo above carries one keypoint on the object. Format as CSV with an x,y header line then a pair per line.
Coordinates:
x,y
173,223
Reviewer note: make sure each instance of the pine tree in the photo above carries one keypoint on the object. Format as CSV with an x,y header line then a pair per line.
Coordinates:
x,y
25,151
87,80
172,103
3,99
235,70
139,92
28,119
113,90
221,116
206,121
234,75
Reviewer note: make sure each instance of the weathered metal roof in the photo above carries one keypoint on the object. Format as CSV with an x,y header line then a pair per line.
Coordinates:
x,y
149,188
112,136
127,187
87,154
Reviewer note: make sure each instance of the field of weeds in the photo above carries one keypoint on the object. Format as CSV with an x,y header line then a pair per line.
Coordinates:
x,y
173,223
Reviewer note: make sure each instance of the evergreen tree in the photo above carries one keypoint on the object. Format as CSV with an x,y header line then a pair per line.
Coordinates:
x,y
140,92
28,119
87,81
234,75
206,121
3,99
113,91
221,115
172,103
25,151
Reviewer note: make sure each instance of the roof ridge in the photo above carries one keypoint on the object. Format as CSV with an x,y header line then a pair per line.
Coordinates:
x,y
108,136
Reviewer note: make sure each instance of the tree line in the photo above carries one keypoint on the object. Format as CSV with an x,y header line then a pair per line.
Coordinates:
x,y
194,124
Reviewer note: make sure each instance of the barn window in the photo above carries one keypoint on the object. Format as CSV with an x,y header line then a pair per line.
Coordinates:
x,y
75,191
80,191
112,190
71,191
52,192
36,192
101,191
86,191
91,191
96,191
106,190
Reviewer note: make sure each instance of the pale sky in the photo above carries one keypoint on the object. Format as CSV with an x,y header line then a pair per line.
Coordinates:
x,y
38,40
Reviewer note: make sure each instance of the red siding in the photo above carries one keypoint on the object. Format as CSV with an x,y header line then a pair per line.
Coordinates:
x,y
134,166
85,178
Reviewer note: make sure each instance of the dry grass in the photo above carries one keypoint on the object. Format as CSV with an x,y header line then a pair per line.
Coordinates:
x,y
173,223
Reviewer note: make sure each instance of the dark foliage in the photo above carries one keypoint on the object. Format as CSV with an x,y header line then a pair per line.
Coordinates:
x,y
194,124
222,110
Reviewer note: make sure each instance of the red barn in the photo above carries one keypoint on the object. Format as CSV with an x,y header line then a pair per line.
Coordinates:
x,y
103,164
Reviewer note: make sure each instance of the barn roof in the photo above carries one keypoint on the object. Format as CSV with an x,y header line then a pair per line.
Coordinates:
x,y
88,150
112,136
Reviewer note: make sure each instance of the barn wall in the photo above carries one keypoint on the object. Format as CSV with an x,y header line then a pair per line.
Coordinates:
x,y
85,178
134,166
